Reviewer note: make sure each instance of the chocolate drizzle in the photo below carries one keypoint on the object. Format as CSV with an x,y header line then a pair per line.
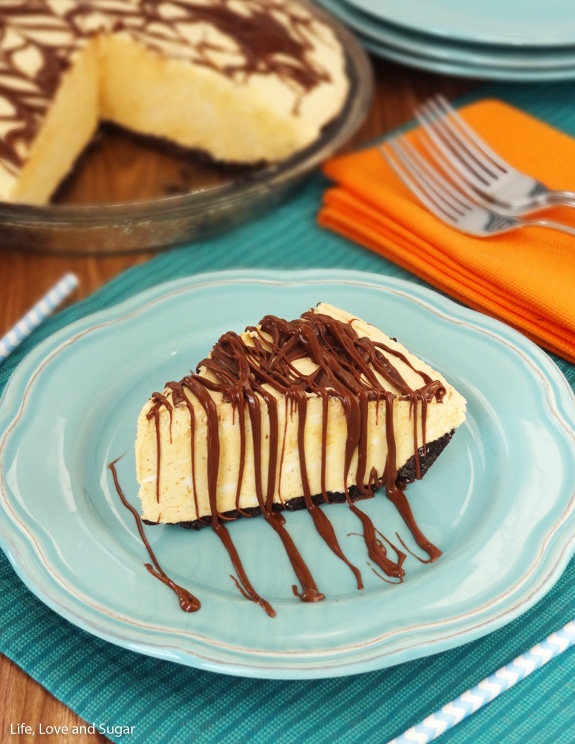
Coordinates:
x,y
258,371
188,602
268,37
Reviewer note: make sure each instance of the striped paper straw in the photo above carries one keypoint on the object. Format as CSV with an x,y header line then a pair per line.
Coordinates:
x,y
34,317
490,688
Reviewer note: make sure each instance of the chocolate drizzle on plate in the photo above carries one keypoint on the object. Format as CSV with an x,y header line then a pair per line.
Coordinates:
x,y
188,602
256,371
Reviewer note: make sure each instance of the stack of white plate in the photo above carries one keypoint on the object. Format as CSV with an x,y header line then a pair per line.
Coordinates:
x,y
521,40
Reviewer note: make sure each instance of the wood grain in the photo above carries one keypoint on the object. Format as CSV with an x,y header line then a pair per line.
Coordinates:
x,y
24,277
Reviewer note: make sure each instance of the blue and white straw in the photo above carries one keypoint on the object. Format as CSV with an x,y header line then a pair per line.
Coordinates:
x,y
34,317
490,688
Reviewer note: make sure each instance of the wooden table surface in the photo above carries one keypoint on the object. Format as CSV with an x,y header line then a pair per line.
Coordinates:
x,y
24,277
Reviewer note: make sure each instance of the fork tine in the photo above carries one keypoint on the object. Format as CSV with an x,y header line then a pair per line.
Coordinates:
x,y
454,148
458,143
402,167
446,166
447,192
404,173
436,193
445,109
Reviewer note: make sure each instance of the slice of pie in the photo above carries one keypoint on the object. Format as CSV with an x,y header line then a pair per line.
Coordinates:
x,y
289,415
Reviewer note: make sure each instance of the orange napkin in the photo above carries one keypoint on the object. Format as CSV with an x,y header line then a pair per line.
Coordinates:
x,y
525,278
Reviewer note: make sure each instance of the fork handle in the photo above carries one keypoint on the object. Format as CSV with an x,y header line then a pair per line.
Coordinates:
x,y
549,224
559,198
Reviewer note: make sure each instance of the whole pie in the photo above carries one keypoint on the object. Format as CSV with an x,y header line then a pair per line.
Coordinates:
x,y
242,81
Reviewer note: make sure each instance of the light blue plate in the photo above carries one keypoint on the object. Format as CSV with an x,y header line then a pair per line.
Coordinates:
x,y
467,69
511,22
488,60
499,503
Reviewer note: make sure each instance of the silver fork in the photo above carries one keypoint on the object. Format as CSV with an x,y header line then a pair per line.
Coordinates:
x,y
449,203
486,172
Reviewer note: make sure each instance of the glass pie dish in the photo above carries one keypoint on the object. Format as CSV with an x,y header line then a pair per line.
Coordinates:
x,y
201,200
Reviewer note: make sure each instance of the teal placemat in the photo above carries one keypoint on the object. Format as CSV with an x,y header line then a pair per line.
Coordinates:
x,y
115,689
